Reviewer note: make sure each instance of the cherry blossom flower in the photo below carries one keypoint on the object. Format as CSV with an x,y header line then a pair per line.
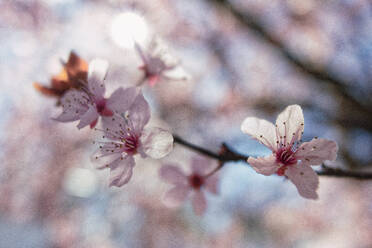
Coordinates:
x,y
289,158
128,137
159,64
88,103
201,178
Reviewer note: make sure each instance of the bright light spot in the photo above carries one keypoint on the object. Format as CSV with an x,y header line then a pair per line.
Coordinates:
x,y
127,28
80,182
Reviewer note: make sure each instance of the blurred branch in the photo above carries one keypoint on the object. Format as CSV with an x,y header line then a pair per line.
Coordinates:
x,y
340,85
228,155
334,172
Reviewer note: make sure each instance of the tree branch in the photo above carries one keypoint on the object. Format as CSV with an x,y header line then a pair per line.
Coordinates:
x,y
334,172
229,155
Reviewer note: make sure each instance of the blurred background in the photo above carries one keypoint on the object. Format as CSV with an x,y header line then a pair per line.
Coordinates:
x,y
244,57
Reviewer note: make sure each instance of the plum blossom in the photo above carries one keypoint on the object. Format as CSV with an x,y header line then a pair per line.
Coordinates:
x,y
159,64
128,137
202,177
289,158
88,103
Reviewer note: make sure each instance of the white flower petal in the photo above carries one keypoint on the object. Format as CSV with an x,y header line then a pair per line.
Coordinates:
x,y
264,165
176,73
139,112
88,117
106,154
156,142
74,104
98,69
305,179
290,124
121,171
173,174
211,184
122,99
97,72
317,151
261,130
202,166
114,126
199,203
176,196
67,116
119,102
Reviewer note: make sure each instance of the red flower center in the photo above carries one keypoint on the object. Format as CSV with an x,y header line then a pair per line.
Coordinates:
x,y
131,144
196,181
101,108
100,105
285,156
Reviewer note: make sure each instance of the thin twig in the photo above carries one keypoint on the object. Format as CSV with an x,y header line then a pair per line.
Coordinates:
x,y
231,156
335,172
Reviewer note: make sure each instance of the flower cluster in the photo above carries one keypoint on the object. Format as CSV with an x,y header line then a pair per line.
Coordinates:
x,y
124,116
80,89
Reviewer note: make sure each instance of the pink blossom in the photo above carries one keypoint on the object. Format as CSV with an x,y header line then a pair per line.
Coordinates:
x,y
289,158
89,103
158,64
128,137
195,183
